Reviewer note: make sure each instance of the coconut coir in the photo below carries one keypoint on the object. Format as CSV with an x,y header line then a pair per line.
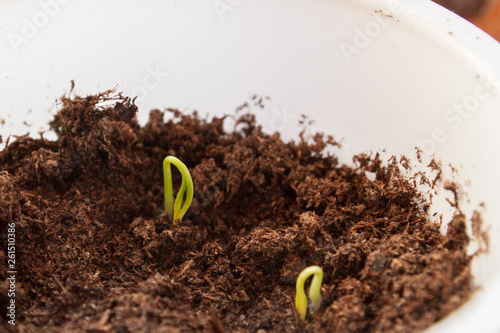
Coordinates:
x,y
96,254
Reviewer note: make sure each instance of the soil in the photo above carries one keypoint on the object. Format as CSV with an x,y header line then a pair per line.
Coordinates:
x,y
95,253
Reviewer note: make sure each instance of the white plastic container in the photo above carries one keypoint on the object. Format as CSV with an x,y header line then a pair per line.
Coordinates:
x,y
381,75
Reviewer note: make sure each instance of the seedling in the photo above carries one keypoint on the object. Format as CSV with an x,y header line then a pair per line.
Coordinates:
x,y
177,210
314,290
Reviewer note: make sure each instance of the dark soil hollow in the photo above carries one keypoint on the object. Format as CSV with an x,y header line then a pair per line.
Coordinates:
x,y
95,254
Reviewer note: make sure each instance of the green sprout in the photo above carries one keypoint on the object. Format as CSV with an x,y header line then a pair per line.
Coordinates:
x,y
177,210
314,290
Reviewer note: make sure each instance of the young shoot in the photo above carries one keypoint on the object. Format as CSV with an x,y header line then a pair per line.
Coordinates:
x,y
314,290
177,210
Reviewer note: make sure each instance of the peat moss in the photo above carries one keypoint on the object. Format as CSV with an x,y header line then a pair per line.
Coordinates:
x,y
96,254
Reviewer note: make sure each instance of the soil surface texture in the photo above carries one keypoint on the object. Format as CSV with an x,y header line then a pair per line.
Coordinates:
x,y
96,253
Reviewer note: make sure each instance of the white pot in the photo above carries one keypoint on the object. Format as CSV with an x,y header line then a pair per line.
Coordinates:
x,y
380,74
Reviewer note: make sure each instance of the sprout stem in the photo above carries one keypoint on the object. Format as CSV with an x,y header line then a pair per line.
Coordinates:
x,y
314,290
177,210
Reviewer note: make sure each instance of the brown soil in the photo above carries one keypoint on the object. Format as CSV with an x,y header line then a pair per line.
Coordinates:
x,y
95,253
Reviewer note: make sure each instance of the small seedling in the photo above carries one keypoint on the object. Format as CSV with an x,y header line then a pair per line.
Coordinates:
x,y
176,210
314,290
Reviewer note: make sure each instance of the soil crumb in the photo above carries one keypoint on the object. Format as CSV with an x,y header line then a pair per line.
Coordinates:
x,y
94,253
